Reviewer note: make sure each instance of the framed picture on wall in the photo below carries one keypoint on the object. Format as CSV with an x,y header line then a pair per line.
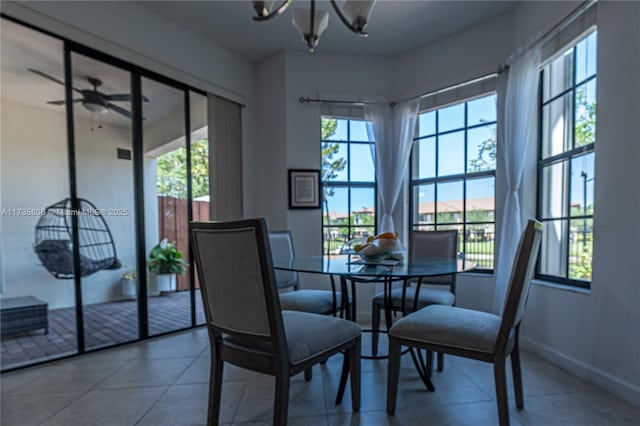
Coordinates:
x,y
304,189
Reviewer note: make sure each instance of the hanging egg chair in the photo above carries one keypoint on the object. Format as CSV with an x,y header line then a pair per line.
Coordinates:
x,y
54,242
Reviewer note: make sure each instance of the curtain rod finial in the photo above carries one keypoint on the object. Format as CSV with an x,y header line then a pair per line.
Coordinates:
x,y
303,100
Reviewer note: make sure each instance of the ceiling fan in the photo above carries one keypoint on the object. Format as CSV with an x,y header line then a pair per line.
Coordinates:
x,y
93,100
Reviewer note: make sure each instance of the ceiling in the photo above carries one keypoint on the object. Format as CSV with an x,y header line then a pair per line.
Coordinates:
x,y
395,26
23,48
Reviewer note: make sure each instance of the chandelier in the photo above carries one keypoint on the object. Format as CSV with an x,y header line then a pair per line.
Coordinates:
x,y
311,22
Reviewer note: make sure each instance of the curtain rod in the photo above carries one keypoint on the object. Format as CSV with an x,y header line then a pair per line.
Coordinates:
x,y
573,15
554,30
461,84
308,100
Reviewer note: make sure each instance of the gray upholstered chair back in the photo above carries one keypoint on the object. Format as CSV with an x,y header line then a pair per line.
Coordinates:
x,y
444,244
521,274
282,251
236,277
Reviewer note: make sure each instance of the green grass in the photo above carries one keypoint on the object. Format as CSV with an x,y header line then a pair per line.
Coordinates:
x,y
479,247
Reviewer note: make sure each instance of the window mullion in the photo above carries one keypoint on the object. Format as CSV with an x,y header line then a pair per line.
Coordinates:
x,y
464,180
437,172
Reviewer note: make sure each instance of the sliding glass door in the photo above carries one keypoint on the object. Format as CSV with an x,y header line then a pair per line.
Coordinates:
x,y
105,189
166,207
37,291
103,165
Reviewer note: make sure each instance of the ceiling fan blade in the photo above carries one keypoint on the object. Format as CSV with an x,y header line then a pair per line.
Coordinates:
x,y
48,77
56,102
119,110
123,97
63,102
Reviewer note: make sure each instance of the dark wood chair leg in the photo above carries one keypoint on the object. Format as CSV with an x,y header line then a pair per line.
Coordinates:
x,y
354,372
440,362
500,377
343,378
393,375
375,326
215,390
281,404
517,376
308,374
430,363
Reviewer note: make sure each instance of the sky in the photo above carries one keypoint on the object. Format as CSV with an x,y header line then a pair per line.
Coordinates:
x,y
361,167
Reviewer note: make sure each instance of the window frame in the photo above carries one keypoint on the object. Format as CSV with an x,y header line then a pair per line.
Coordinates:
x,y
567,156
464,177
348,184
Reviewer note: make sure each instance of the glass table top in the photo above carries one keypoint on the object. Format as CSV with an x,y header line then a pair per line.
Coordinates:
x,y
353,266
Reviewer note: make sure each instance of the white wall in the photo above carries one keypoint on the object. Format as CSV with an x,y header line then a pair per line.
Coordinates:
x,y
34,174
322,75
266,166
597,335
475,52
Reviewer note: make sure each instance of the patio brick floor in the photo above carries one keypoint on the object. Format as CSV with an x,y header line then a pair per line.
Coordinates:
x,y
105,324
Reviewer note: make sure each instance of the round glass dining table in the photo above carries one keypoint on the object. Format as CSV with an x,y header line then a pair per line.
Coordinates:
x,y
351,270
354,270
352,266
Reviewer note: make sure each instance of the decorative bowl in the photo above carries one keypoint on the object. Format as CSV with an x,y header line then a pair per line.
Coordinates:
x,y
382,256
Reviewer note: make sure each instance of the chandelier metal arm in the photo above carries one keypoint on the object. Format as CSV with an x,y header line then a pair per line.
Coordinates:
x,y
312,35
346,22
259,7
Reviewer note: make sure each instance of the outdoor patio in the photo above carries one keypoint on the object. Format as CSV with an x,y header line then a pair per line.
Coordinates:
x,y
106,324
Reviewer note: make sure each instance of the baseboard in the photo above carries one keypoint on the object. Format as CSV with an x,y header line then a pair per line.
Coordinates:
x,y
620,387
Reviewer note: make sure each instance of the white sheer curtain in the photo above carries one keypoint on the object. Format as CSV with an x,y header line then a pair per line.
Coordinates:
x,y
519,117
393,129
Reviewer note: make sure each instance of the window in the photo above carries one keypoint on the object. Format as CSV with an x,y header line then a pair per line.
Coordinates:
x,y
348,182
566,164
453,169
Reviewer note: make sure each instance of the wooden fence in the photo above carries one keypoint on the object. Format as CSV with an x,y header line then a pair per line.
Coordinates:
x,y
174,226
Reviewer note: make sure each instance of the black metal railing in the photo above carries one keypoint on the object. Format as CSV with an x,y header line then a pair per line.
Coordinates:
x,y
479,247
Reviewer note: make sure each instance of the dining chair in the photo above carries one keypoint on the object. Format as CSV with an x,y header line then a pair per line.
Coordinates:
x,y
473,334
441,290
325,302
304,300
246,325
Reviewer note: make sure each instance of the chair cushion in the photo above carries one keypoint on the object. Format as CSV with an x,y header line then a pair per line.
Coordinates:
x,y
314,301
450,326
311,334
427,296
307,335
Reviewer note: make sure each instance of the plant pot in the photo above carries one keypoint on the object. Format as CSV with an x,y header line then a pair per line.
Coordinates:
x,y
166,282
128,288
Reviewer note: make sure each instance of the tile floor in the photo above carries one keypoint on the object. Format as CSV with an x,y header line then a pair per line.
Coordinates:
x,y
164,382
106,324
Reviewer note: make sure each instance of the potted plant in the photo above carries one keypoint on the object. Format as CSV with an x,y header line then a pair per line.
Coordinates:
x,y
128,282
165,261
